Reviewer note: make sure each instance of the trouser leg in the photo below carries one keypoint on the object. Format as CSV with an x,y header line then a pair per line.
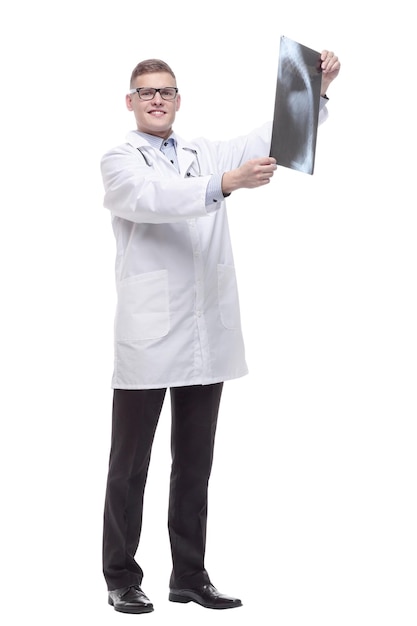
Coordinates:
x,y
134,421
194,419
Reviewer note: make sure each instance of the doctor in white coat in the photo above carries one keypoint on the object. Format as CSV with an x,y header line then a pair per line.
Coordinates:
x,y
177,324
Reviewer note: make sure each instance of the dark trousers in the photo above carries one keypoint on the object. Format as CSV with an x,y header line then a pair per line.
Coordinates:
x,y
136,412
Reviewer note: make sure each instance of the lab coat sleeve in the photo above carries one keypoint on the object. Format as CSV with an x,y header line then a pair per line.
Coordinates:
x,y
135,191
323,112
232,154
229,155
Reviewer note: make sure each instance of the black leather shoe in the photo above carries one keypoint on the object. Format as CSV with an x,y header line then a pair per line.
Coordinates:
x,y
207,596
130,600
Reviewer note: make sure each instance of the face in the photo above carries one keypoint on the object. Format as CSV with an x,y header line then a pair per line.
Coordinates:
x,y
155,116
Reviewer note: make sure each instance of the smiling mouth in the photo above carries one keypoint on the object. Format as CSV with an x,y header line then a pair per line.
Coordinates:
x,y
157,113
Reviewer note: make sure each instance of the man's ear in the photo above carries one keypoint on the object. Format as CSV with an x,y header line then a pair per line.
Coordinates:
x,y
177,102
129,102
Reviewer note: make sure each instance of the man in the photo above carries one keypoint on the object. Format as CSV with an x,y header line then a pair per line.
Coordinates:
x,y
177,324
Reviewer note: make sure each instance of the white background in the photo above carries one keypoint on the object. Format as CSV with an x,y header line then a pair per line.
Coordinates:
x,y
312,510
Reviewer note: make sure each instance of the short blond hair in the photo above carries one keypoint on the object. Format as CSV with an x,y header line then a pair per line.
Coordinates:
x,y
149,67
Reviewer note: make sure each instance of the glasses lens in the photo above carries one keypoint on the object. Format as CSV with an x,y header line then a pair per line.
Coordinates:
x,y
146,94
168,93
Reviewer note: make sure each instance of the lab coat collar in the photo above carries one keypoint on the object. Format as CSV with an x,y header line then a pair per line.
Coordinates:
x,y
186,151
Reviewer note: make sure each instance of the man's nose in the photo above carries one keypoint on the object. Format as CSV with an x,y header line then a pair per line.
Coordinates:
x,y
157,98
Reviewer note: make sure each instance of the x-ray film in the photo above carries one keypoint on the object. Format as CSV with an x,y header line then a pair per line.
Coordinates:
x,y
297,102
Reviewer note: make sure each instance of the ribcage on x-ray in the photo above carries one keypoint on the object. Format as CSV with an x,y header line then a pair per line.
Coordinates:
x,y
296,106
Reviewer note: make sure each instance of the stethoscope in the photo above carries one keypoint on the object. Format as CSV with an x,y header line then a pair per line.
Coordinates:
x,y
194,152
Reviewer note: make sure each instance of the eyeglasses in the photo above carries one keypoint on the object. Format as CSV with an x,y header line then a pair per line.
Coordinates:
x,y
148,93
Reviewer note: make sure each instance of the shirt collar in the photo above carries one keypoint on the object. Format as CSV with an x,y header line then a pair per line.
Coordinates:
x,y
157,142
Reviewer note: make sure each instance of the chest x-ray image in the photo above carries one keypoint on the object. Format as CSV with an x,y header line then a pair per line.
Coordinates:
x,y
297,101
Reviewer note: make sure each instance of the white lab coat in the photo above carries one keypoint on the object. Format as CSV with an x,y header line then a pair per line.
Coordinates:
x,y
177,320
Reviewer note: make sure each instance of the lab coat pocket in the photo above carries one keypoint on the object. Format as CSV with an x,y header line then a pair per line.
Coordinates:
x,y
228,297
142,307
